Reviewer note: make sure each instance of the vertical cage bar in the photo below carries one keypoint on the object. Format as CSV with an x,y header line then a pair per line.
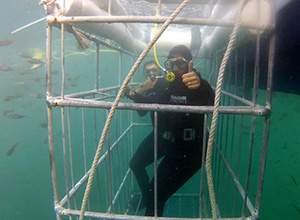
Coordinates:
x,y
120,68
234,117
97,59
270,71
109,171
65,156
238,161
48,59
97,68
62,109
244,73
155,163
249,164
96,144
83,139
84,147
63,60
131,138
242,123
50,116
235,75
105,162
266,125
126,162
119,122
219,137
255,94
159,7
71,154
109,7
256,70
229,79
202,165
222,145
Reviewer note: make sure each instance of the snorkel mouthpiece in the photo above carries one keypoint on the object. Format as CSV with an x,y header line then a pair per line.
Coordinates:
x,y
170,77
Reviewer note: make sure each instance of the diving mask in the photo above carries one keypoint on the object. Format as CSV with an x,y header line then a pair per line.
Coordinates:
x,y
151,73
173,65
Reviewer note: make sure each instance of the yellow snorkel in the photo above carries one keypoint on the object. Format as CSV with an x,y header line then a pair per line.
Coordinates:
x,y
170,76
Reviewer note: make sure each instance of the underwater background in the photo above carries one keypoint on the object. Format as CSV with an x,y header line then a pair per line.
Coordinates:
x,y
25,179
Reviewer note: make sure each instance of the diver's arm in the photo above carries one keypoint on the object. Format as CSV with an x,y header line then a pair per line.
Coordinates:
x,y
138,97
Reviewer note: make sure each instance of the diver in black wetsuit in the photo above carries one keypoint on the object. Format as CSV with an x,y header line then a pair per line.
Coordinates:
x,y
179,134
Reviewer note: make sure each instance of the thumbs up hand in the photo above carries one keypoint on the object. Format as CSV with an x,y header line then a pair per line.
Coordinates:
x,y
190,79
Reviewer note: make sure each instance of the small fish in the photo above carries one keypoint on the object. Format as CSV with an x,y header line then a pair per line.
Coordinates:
x,y
46,140
44,84
11,97
282,117
23,72
6,112
12,149
44,125
6,42
293,179
35,66
297,110
15,116
297,208
73,85
5,68
285,146
279,190
37,79
35,61
22,84
24,55
55,72
73,78
37,95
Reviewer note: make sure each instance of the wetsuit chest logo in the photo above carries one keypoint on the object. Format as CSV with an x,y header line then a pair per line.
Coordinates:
x,y
178,99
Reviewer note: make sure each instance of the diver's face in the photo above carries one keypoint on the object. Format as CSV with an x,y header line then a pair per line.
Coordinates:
x,y
152,71
177,64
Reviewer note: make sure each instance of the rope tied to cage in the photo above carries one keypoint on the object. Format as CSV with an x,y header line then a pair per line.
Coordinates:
x,y
117,100
223,65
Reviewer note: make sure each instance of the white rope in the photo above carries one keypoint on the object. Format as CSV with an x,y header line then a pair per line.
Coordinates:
x,y
117,100
216,109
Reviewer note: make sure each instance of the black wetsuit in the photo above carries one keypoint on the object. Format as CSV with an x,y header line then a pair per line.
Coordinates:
x,y
179,141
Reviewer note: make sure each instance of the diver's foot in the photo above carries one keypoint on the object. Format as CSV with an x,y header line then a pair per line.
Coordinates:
x,y
136,204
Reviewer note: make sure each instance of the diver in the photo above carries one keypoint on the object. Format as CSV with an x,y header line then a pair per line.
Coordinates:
x,y
179,135
151,73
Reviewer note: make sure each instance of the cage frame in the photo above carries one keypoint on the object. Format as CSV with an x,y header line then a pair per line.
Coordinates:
x,y
74,100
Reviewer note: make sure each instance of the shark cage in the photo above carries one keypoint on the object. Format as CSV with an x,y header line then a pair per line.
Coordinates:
x,y
92,134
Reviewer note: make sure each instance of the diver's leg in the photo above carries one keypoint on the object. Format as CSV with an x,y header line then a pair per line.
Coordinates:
x,y
140,160
143,157
178,166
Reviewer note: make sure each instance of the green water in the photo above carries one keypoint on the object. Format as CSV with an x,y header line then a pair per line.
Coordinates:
x,y
25,179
